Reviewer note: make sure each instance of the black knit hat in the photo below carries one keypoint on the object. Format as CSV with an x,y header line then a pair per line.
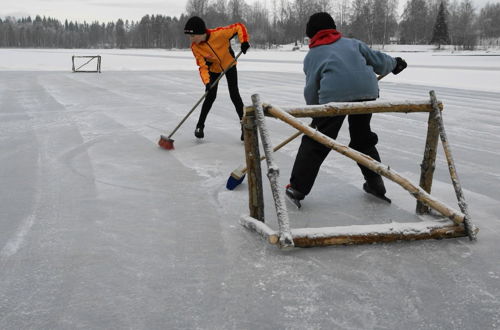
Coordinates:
x,y
195,25
319,21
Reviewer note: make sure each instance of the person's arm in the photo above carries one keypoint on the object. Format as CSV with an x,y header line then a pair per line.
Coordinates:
x,y
240,30
202,66
381,63
311,88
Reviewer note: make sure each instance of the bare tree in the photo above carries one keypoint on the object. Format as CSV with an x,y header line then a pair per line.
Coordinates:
x,y
236,8
462,22
414,27
488,21
257,21
360,20
196,7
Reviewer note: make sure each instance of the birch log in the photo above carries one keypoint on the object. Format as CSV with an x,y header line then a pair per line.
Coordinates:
x,y
260,228
350,108
308,237
358,234
470,229
273,175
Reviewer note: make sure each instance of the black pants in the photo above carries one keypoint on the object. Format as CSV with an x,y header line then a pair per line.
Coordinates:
x,y
234,93
311,154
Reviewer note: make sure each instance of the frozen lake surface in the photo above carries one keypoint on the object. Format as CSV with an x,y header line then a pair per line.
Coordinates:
x,y
102,229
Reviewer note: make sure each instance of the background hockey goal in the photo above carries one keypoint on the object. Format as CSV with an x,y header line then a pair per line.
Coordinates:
x,y
86,63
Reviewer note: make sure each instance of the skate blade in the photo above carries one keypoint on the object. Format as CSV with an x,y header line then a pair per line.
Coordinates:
x,y
382,197
293,201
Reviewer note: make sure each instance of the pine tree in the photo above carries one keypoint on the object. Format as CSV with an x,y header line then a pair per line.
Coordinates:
x,y
440,34
120,34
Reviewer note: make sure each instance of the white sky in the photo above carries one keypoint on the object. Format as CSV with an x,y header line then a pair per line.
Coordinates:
x,y
111,10
91,10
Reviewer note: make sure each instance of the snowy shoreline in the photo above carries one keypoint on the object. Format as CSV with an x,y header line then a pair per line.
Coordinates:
x,y
474,70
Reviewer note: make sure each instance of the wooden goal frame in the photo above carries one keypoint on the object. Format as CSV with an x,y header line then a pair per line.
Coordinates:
x,y
455,223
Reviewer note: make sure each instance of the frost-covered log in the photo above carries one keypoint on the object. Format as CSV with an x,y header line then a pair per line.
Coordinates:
x,y
273,175
260,228
366,234
359,234
354,108
417,192
469,227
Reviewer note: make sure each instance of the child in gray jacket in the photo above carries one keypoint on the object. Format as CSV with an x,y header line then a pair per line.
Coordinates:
x,y
339,69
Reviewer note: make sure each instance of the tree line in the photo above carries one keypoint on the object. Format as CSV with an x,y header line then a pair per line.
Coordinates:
x,y
454,22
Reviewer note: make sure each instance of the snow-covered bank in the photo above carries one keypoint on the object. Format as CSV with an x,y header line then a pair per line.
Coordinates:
x,y
478,70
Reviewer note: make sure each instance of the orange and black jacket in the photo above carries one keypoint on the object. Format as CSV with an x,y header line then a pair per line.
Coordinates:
x,y
215,53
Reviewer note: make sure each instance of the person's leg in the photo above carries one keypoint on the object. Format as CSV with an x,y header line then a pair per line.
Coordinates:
x,y
311,154
363,140
234,92
209,100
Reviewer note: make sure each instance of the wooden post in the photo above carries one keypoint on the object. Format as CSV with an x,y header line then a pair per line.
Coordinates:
x,y
417,192
254,172
470,229
285,235
429,162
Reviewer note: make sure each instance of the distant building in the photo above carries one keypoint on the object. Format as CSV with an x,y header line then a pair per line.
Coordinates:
x,y
393,40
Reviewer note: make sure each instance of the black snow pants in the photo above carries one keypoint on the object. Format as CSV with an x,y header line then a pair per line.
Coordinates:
x,y
234,93
311,154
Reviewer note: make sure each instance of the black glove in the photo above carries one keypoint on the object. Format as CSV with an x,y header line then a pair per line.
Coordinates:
x,y
244,47
400,65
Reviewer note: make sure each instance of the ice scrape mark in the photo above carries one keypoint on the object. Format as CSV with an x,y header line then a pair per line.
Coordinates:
x,y
14,244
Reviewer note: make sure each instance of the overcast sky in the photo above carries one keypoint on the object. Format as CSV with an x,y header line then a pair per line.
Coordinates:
x,y
91,10
111,10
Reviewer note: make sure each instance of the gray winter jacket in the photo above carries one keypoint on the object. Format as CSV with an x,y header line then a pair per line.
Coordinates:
x,y
343,71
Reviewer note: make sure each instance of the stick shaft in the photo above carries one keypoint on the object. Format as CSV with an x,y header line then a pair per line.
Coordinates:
x,y
279,146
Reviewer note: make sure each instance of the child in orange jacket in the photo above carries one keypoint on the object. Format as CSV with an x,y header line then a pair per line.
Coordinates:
x,y
213,53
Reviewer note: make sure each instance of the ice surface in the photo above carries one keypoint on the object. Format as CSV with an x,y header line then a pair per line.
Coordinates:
x,y
102,229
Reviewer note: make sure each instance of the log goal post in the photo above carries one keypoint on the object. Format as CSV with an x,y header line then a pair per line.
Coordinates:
x,y
459,226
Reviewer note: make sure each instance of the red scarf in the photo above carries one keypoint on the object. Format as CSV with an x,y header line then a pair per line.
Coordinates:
x,y
324,37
